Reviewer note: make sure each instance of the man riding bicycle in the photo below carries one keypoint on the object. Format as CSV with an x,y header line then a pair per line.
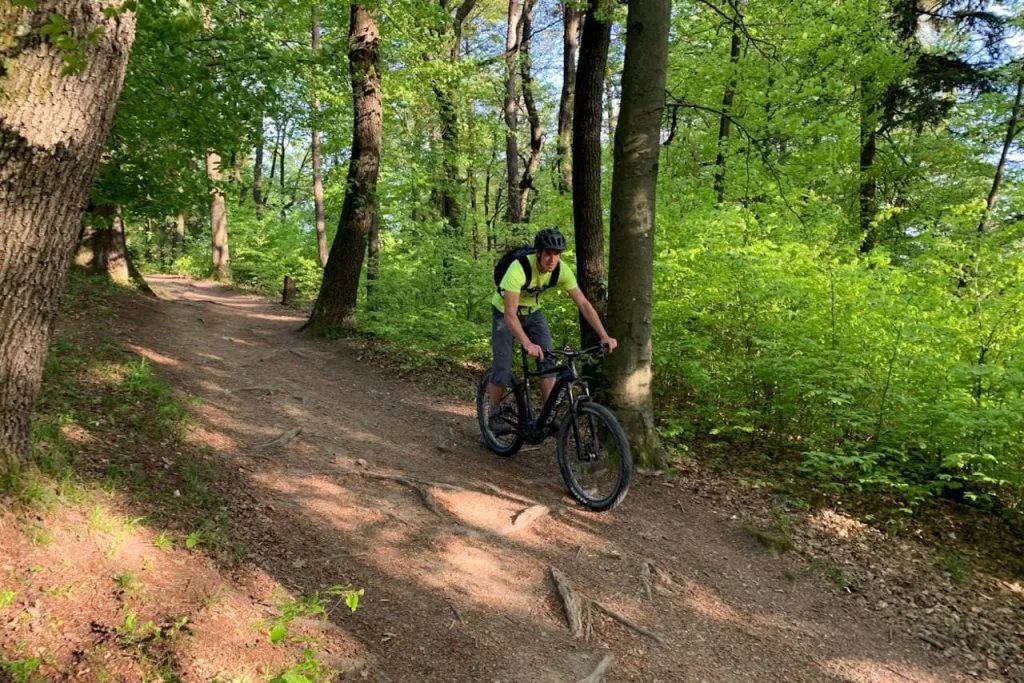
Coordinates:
x,y
517,315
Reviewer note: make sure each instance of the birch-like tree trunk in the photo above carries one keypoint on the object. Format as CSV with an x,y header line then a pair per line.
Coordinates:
x,y
318,185
221,260
536,130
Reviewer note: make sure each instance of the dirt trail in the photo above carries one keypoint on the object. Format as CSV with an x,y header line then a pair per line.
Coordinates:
x,y
457,593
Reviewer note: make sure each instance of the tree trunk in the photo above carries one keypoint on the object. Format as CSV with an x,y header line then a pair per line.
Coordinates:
x,y
997,179
372,261
724,120
867,184
634,185
515,208
101,247
318,185
571,18
451,212
133,274
536,131
221,261
609,106
588,220
52,129
336,302
179,235
257,171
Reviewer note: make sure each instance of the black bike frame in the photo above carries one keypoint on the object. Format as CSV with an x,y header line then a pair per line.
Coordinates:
x,y
535,431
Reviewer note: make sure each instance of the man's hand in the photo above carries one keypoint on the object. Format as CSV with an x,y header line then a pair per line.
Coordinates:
x,y
610,342
534,350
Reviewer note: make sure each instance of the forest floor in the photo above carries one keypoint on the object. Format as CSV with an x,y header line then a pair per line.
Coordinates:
x,y
304,467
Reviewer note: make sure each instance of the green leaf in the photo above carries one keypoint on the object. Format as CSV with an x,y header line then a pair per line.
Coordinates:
x,y
352,599
278,632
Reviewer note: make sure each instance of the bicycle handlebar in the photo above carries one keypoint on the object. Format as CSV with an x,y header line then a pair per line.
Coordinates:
x,y
600,349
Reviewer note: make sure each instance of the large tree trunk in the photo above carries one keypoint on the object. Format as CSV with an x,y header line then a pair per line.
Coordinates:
x,y
515,208
338,294
536,131
52,129
586,162
571,18
221,262
724,119
634,185
318,185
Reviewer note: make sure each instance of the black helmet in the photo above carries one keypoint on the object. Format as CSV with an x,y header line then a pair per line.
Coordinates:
x,y
549,238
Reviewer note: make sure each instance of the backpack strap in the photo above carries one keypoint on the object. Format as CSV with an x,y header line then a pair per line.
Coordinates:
x,y
524,261
554,276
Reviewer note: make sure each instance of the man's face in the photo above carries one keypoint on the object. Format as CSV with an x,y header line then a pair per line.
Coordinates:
x,y
547,259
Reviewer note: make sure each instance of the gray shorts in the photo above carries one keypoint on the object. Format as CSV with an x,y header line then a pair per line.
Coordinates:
x,y
502,341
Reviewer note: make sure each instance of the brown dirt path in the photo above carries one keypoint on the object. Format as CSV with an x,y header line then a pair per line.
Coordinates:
x,y
461,596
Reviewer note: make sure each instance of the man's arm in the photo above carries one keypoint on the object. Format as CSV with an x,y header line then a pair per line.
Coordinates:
x,y
512,320
591,316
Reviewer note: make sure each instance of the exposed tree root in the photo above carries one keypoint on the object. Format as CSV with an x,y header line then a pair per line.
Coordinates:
x,y
645,577
422,488
491,488
598,673
573,602
577,610
622,619
528,516
664,583
284,438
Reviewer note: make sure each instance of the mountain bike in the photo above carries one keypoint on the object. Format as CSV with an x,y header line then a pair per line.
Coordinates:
x,y
592,450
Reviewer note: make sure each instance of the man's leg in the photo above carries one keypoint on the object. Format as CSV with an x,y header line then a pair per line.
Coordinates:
x,y
501,359
536,328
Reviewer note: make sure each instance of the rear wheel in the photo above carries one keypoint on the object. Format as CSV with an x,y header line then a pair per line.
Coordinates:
x,y
502,434
593,456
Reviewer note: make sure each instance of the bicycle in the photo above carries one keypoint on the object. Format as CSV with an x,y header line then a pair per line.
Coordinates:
x,y
599,445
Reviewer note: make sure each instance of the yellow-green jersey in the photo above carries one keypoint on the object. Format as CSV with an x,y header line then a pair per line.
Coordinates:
x,y
514,280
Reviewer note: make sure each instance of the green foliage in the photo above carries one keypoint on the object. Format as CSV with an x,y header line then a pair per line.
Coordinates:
x,y
308,670
72,51
21,670
318,605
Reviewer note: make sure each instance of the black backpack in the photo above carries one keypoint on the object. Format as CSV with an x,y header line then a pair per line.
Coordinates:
x,y
521,254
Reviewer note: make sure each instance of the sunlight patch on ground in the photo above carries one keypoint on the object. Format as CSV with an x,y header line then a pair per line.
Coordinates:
x,y
480,510
76,434
836,524
151,355
276,318
484,575
706,602
197,435
871,671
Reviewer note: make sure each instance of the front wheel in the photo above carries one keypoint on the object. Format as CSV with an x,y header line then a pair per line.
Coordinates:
x,y
502,433
593,456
